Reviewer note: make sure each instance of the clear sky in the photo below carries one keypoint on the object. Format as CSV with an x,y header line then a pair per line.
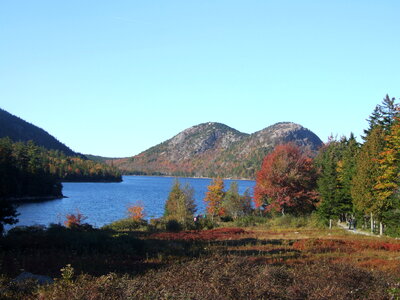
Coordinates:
x,y
113,78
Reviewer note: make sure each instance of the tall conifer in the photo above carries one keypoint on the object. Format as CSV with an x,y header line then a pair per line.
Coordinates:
x,y
387,185
367,171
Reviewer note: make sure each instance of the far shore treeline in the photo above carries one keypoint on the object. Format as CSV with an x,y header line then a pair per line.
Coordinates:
x,y
28,171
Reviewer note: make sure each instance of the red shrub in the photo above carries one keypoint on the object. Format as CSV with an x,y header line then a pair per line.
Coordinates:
x,y
136,212
206,235
323,246
74,219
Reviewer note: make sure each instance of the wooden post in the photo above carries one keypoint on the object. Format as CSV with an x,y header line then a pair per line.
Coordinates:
x,y
380,228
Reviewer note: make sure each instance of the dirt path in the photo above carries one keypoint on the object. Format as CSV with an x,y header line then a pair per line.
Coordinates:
x,y
355,231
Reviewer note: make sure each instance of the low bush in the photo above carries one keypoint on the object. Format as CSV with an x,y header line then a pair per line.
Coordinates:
x,y
157,224
290,221
128,224
248,221
173,226
231,277
45,251
205,223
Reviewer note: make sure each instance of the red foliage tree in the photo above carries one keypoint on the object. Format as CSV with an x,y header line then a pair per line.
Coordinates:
x,y
286,181
74,220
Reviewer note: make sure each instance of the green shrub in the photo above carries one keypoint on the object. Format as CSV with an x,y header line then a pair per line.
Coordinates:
x,y
226,219
173,225
27,229
157,224
248,221
205,223
161,224
127,224
392,221
290,221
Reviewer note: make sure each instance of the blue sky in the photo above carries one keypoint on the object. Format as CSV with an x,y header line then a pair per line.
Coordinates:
x,y
115,77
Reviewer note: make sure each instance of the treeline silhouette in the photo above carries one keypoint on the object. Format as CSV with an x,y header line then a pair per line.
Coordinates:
x,y
19,130
27,170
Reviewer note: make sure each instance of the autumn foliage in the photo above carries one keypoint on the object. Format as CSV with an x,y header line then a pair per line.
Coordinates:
x,y
74,220
136,212
214,198
286,181
180,204
203,235
389,163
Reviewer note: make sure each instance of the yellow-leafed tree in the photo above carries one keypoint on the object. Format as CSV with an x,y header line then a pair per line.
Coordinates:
x,y
214,198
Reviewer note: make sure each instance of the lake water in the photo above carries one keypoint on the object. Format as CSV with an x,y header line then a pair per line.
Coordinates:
x,y
103,203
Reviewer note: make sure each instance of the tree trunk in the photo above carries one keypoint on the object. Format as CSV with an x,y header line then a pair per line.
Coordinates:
x,y
330,223
380,228
372,223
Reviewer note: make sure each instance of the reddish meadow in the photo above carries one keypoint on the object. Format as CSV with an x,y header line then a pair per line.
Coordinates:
x,y
222,263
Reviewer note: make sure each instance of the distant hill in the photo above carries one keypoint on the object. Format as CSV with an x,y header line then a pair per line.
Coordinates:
x,y
19,130
100,159
214,149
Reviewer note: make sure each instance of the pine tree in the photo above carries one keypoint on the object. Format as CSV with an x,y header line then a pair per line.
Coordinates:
x,y
346,171
367,171
387,184
383,115
328,183
388,110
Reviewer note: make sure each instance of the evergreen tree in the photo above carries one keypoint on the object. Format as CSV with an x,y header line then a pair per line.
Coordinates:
x,y
346,171
180,203
232,202
327,183
367,171
387,185
190,205
383,115
8,214
388,110
337,166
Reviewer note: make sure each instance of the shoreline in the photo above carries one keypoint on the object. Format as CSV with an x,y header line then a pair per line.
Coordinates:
x,y
27,199
191,177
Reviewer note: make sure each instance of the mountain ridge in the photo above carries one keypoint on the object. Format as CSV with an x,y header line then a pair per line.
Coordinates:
x,y
19,130
214,149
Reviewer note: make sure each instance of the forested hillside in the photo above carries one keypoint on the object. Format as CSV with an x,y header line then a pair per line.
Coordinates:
x,y
214,149
27,170
19,130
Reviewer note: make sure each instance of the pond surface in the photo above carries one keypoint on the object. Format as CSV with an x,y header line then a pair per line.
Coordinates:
x,y
103,203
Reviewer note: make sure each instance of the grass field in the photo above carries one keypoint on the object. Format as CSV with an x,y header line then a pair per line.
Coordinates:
x,y
257,262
